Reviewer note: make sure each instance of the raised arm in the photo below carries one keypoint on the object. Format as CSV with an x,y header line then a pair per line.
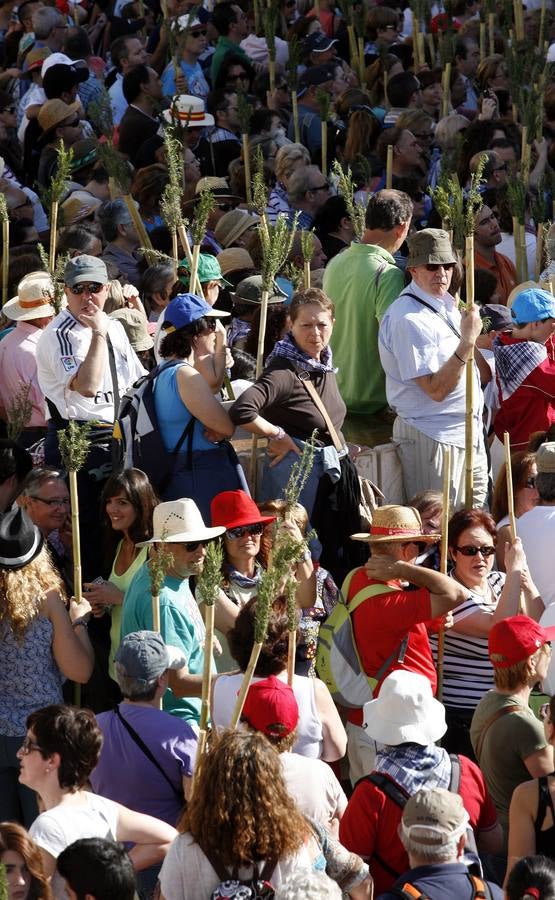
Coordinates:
x,y
71,647
445,592
440,384
90,374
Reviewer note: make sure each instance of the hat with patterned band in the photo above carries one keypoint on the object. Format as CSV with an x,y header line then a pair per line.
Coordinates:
x,y
396,523
188,110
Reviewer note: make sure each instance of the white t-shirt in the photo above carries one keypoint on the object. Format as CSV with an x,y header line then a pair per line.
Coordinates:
x,y
57,828
62,348
536,528
314,788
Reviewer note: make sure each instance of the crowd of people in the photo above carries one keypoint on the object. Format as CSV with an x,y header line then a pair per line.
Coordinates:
x,y
223,389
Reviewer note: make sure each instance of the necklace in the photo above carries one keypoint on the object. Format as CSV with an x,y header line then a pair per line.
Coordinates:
x,y
488,596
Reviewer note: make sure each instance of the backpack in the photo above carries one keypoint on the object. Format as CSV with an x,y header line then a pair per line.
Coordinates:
x,y
337,658
234,888
139,434
480,890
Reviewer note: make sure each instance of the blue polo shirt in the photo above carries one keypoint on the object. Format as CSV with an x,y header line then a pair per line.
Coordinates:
x,y
447,880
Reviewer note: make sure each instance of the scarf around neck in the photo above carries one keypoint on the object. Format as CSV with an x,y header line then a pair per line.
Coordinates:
x,y
287,348
413,766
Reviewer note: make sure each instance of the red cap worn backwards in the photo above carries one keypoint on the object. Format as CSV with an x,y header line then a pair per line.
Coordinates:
x,y
271,707
515,639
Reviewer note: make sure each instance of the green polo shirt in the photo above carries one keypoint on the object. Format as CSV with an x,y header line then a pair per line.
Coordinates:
x,y
363,281
223,47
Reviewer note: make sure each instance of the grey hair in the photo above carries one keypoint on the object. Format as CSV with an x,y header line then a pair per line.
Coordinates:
x,y
111,214
155,278
135,688
300,182
45,20
288,157
39,476
545,483
430,855
306,884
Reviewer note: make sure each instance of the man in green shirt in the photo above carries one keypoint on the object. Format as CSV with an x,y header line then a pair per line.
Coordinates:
x,y
230,22
363,281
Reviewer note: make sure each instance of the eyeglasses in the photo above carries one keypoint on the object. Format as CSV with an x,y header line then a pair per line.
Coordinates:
x,y
28,746
469,550
73,124
191,546
55,501
8,109
196,34
226,207
433,267
241,530
92,288
531,482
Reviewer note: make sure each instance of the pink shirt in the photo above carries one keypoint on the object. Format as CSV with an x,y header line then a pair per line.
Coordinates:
x,y
18,366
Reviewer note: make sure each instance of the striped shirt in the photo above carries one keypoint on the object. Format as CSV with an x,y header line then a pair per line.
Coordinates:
x,y
467,671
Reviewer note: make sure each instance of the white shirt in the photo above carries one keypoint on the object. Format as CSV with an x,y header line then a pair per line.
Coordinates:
x,y
61,349
536,528
414,341
117,100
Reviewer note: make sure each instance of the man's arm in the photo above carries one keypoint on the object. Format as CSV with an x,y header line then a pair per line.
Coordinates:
x,y
183,684
445,592
440,384
90,374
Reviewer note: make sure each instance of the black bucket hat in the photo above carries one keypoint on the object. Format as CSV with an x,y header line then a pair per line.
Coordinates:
x,y
20,540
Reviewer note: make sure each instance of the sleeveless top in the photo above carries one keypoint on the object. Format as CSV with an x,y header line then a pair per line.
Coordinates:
x,y
172,414
309,729
122,582
545,840
29,676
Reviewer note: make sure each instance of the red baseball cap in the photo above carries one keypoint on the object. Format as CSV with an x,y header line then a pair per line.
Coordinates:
x,y
234,508
271,707
515,639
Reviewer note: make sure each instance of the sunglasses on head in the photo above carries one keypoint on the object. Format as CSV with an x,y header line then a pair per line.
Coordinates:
x,y
92,288
469,550
433,267
241,530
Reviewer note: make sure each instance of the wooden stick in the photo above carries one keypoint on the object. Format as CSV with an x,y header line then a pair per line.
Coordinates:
x,y
193,277
295,113
421,48
519,20
53,235
306,271
542,26
446,90
511,506
207,671
156,612
272,73
482,40
291,651
389,167
469,420
491,30
361,65
443,561
247,165
140,229
174,247
523,253
352,46
324,132
75,537
415,45
540,232
5,259
518,248
245,685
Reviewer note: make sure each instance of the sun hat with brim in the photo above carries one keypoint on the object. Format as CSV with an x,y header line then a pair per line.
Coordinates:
x,y
249,290
20,540
396,523
185,309
35,59
515,639
271,707
143,656
85,268
405,712
55,111
85,153
518,288
232,225
533,305
234,508
79,206
234,259
34,295
178,522
189,111
136,327
208,270
545,457
431,245
433,818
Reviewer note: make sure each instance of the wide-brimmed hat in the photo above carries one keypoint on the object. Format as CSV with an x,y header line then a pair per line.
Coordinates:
x,y
34,295
20,540
233,259
136,327
232,225
533,305
35,59
515,639
431,245
271,707
234,508
78,206
55,111
85,153
143,656
396,523
208,270
405,712
85,268
187,308
188,111
179,521
249,290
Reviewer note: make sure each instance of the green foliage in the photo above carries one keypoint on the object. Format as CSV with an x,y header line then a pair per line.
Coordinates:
x,y
276,243
307,245
293,63
159,564
204,207
74,444
20,411
299,474
270,16
323,99
57,275
3,883
244,112
516,199
170,203
473,200
286,552
259,188
58,183
116,166
4,215
346,187
100,114
294,275
210,579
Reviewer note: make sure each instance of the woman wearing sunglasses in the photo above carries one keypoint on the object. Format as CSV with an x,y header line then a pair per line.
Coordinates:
x,y
492,596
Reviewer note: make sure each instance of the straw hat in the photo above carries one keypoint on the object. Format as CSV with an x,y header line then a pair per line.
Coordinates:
x,y
136,327
405,711
396,523
55,111
178,521
78,206
34,293
234,259
232,225
189,111
519,288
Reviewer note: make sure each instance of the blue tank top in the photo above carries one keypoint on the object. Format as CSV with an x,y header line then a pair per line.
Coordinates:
x,y
172,414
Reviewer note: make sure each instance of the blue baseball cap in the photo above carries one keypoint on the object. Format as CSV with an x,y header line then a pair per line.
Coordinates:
x,y
533,305
187,308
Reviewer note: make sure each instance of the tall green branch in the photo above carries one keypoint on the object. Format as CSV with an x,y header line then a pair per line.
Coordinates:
x,y
74,443
210,579
276,241
346,187
300,472
19,411
170,204
204,207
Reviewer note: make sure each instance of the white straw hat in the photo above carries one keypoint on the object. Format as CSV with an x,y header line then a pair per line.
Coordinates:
x,y
405,711
178,521
34,295
188,110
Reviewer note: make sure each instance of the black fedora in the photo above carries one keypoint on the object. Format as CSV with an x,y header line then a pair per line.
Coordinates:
x,y
20,540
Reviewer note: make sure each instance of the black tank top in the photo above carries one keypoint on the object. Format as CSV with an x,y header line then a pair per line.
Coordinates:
x,y
545,840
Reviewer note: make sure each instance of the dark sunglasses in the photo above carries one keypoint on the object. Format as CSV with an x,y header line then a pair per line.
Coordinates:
x,y
191,546
92,288
209,324
241,530
8,109
226,207
469,550
321,187
530,482
202,32
73,124
433,267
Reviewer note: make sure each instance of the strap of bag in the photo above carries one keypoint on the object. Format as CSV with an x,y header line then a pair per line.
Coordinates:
x,y
408,890
374,590
142,746
497,715
222,872
188,430
313,394
455,780
113,375
481,888
437,313
388,787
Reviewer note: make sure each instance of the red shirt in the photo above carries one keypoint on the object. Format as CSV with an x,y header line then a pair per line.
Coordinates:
x,y
370,822
532,406
380,624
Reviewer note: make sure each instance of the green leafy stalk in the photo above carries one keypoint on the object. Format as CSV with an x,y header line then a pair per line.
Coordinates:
x,y
100,114
540,210
74,443
170,203
323,99
516,199
57,276
299,474
276,243
346,187
448,200
259,188
159,564
307,245
4,215
244,112
203,209
3,883
20,411
293,62
271,14
294,275
287,551
210,579
116,166
473,200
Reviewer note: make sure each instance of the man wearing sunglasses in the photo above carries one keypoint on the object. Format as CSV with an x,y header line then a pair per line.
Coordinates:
x,y
424,343
192,41
180,525
84,364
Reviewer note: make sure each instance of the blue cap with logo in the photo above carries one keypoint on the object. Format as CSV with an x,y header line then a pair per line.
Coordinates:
x,y
185,309
533,305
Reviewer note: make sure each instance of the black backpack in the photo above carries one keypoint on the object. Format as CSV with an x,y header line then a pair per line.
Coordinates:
x,y
231,887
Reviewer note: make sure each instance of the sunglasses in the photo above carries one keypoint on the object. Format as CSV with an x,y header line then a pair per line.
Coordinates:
x,y
531,482
321,187
8,109
55,501
191,546
469,550
73,124
210,324
226,207
92,288
28,746
433,267
241,530
201,33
